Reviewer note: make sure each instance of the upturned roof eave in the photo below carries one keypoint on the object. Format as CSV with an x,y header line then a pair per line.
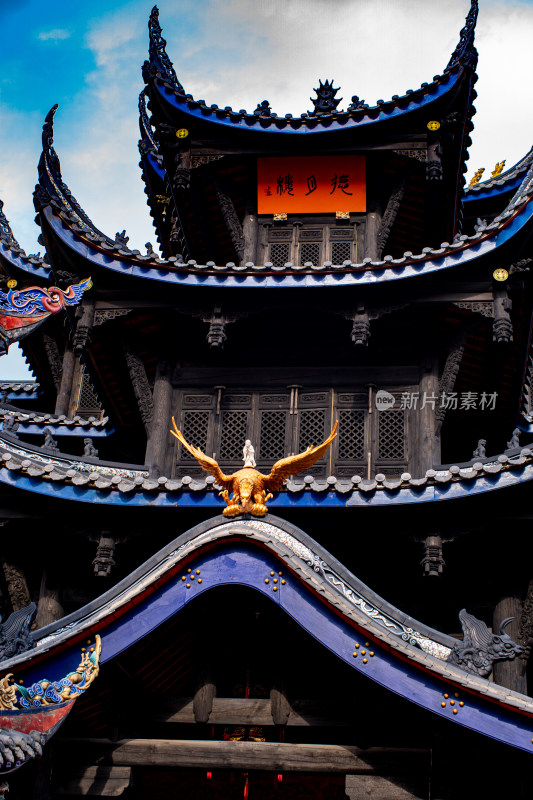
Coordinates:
x,y
69,478
12,256
500,184
421,99
403,655
101,253
159,72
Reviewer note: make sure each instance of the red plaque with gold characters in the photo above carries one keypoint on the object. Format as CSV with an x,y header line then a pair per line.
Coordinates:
x,y
308,185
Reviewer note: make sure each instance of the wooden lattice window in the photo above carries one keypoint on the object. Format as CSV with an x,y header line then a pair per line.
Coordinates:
x,y
310,244
220,426
88,404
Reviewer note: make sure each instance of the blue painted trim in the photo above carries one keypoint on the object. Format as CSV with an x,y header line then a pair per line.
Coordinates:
x,y
160,172
283,126
61,430
234,564
494,191
304,499
22,263
183,275
24,395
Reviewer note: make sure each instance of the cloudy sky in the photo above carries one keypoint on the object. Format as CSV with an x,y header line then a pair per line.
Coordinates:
x,y
87,57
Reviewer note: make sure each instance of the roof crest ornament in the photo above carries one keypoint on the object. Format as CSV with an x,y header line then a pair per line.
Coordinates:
x,y
51,184
158,54
465,52
6,234
325,102
144,122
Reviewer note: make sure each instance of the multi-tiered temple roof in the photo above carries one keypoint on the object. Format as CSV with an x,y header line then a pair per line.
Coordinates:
x,y
416,337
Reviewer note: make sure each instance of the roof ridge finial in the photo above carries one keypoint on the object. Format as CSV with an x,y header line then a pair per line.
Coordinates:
x,y
159,62
465,52
6,234
49,162
51,183
325,101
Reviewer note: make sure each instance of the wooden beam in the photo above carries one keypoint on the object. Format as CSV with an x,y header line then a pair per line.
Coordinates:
x,y
383,788
269,756
96,782
238,711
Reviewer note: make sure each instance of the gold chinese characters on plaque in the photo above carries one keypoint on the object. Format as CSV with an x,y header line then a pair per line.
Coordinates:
x,y
309,185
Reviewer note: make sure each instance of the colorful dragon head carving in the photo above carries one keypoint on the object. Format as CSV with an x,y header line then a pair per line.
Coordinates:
x,y
22,310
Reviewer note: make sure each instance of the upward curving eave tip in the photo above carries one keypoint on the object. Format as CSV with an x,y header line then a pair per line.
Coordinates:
x,y
159,64
465,53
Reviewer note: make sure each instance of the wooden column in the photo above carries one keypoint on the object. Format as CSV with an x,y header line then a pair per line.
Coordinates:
x,y
65,388
49,609
250,230
427,448
158,448
373,224
509,673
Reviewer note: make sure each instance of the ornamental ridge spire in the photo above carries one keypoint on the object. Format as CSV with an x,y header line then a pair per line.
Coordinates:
x,y
51,184
325,102
6,234
159,63
465,52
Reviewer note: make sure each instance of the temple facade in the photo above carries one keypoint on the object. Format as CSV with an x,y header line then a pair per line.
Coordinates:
x,y
265,509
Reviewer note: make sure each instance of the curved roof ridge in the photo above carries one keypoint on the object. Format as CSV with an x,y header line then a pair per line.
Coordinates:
x,y
6,234
516,214
147,135
342,581
52,190
24,415
504,177
404,655
51,184
16,256
159,62
107,483
465,53
160,66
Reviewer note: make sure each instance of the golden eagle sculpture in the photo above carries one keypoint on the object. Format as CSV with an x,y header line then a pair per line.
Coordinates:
x,y
251,489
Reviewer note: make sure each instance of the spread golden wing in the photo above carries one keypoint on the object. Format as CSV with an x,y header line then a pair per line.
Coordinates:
x,y
209,464
292,465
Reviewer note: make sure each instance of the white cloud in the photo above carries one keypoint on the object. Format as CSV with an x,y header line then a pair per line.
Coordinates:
x,y
55,35
238,53
13,366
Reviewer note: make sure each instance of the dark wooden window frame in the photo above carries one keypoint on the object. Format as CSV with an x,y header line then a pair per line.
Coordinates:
x,y
368,441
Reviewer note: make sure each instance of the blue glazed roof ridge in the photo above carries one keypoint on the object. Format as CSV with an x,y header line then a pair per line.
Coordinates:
x,y
499,181
218,528
396,638
175,267
46,418
365,113
61,468
15,254
161,68
330,608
